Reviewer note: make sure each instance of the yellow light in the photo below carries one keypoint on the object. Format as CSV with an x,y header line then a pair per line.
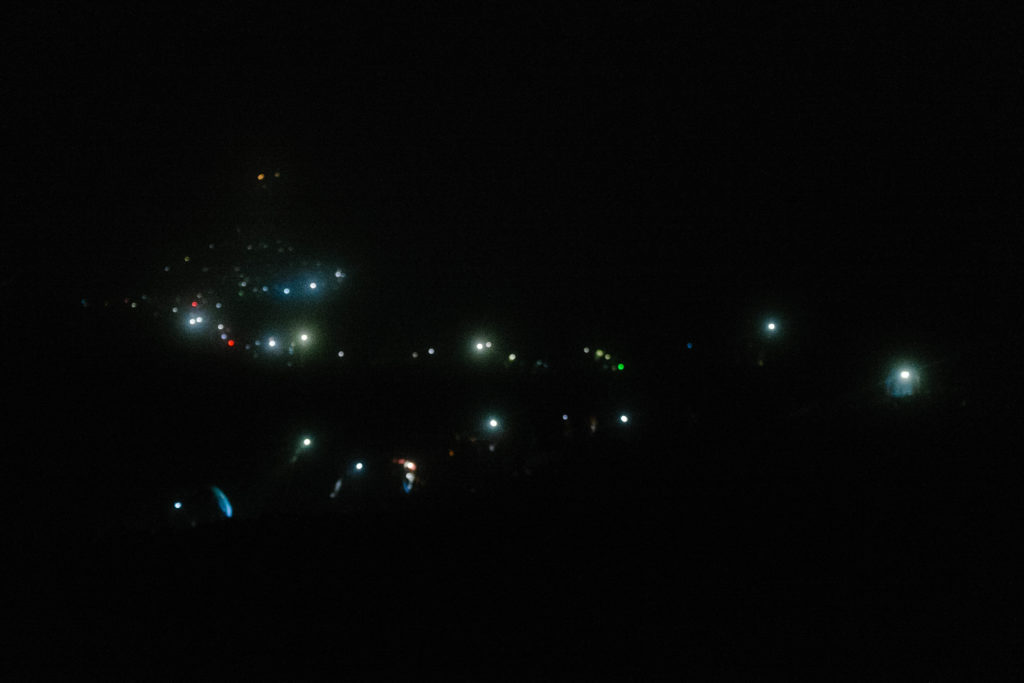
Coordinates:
x,y
277,174
599,353
260,177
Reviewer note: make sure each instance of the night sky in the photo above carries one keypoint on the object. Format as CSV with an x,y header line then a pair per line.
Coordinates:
x,y
587,167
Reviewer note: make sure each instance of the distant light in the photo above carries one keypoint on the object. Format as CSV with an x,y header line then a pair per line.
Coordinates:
x,y
187,259
493,422
599,353
586,349
689,345
277,174
199,319
431,351
231,342
312,285
564,417
217,305
304,337
223,335
177,505
623,419
287,290
195,304
359,466
307,441
905,374
222,502
415,354
243,283
338,273
479,347
620,366
260,177
174,309
771,327
341,354
271,343
220,326
410,465
511,356
191,321
167,269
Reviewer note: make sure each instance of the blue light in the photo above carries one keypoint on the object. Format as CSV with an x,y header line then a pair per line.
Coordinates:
x,y
222,502
689,345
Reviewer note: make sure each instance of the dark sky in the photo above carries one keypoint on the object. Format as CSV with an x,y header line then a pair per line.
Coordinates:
x,y
588,164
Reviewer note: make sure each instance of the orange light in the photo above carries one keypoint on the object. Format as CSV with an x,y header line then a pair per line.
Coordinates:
x,y
450,452
231,342
260,177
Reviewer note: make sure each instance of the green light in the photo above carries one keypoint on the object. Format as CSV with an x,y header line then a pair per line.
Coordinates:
x,y
621,366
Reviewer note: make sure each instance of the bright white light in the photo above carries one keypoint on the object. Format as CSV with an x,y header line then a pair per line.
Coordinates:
x,y
271,343
564,417
220,326
905,374
304,337
191,321
359,466
177,505
479,347
623,419
586,349
341,354
174,309
287,290
430,351
410,477
312,285
511,356
771,326
488,344
493,422
223,335
199,319
338,273
307,441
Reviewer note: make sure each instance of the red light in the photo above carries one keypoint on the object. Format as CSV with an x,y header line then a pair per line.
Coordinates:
x,y
195,304
231,342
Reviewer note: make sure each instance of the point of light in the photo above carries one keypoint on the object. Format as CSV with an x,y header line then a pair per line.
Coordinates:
x,y
271,343
191,321
195,304
564,417
359,466
199,318
905,374
689,345
599,353
620,366
493,422
479,346
307,442
231,342
341,354
304,337
623,419
488,344
415,354
174,309
177,505
312,285
287,290
430,351
338,273
586,349
511,356
260,177
223,336
220,326
771,327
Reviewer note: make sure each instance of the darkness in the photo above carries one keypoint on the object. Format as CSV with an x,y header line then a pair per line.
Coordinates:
x,y
607,175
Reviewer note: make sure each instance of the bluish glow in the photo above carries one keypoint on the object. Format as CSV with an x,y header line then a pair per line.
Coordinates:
x,y
222,501
265,288
902,382
287,290
564,417
177,505
312,285
338,273
271,343
689,345
430,351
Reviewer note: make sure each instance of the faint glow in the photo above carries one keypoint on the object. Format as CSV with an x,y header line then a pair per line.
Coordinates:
x,y
277,174
341,354
623,419
174,309
220,326
222,501
217,305
265,288
451,453
586,349
135,304
492,422
359,466
243,283
312,285
491,447
620,366
689,345
167,269
337,487
231,342
287,290
415,354
511,356
187,259
338,273
260,177
177,505
431,351
599,353
488,344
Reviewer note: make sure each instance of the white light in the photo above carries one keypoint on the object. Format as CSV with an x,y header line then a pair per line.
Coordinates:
x,y
199,319
220,326
430,351
488,344
217,305
359,465
410,477
338,273
174,309
191,321
223,336
304,337
493,422
479,347
243,283
771,327
586,349
415,354
341,354
271,343
287,290
623,419
905,374
307,441
265,288
312,285
564,417
177,505
511,356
